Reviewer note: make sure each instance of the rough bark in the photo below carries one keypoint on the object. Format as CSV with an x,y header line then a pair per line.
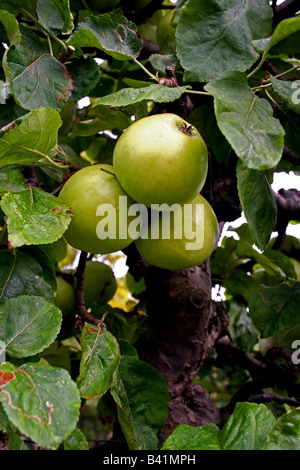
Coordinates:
x,y
183,326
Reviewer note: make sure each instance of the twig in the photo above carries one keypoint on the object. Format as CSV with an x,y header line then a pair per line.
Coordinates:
x,y
83,314
266,397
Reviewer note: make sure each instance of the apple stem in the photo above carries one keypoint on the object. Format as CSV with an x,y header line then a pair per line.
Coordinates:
x,y
107,171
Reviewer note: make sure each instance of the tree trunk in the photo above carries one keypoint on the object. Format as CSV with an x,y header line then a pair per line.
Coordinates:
x,y
184,324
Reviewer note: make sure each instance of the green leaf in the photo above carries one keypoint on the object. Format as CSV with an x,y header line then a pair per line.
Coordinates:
x,y
12,180
247,428
240,283
14,440
119,324
204,119
76,441
111,33
160,62
282,261
12,27
41,401
258,204
42,81
34,217
28,325
100,359
55,15
21,274
128,96
108,119
186,437
287,91
247,121
142,398
32,139
241,329
290,121
284,29
274,309
213,37
21,5
285,432
85,76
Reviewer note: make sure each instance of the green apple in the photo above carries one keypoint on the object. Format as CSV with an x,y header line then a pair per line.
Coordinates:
x,y
101,5
100,284
99,224
161,159
296,264
64,297
164,29
148,31
172,251
60,249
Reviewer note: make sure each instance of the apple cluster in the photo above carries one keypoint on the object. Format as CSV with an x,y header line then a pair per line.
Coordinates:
x,y
159,162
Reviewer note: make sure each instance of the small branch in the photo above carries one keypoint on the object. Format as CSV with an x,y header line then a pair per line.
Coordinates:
x,y
286,9
290,157
267,397
145,70
83,314
66,54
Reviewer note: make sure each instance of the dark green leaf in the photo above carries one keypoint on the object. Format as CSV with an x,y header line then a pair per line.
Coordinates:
x,y
142,398
247,121
55,15
107,119
288,92
85,76
203,118
274,309
43,81
160,62
21,274
214,37
110,32
28,324
241,329
258,204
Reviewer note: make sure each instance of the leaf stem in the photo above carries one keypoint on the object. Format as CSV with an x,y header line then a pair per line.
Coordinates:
x,y
287,71
50,45
196,92
145,70
42,27
263,58
107,171
271,98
